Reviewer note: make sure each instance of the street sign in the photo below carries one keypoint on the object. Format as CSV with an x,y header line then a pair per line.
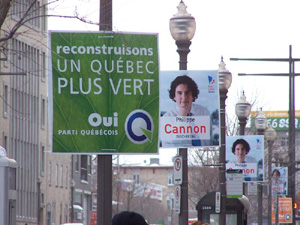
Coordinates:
x,y
218,202
93,218
177,170
234,183
177,199
252,188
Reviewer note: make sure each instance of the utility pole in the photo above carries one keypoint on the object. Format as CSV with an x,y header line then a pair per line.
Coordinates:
x,y
104,168
292,140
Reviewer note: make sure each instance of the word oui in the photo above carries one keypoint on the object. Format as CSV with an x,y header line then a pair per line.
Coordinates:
x,y
95,120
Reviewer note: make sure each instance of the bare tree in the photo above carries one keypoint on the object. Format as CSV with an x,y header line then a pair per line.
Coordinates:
x,y
138,198
28,11
255,98
203,173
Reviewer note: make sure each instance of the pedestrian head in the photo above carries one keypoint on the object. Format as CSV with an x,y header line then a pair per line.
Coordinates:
x,y
128,218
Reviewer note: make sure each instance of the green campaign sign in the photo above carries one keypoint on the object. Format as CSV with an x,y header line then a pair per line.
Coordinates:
x,y
104,92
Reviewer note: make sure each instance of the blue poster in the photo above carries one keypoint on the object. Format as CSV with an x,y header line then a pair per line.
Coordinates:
x,y
189,109
279,180
246,153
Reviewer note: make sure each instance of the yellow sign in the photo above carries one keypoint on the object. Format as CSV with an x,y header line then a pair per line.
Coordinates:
x,y
280,114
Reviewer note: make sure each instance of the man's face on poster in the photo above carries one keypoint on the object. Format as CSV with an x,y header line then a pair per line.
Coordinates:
x,y
240,152
183,97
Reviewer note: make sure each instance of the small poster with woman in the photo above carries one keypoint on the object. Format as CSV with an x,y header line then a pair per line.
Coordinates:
x,y
246,153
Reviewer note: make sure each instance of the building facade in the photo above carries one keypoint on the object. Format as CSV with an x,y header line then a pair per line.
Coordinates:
x,y
43,179
147,189
81,193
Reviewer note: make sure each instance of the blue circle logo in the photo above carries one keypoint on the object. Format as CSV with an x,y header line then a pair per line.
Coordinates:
x,y
287,216
139,126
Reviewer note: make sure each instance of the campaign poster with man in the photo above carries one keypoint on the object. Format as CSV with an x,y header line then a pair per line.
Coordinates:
x,y
246,153
189,108
279,180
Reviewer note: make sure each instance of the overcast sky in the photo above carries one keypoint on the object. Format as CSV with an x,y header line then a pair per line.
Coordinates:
x,y
228,28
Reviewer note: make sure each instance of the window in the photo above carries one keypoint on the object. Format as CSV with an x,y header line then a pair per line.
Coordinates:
x,y
76,159
67,177
53,212
77,198
61,214
84,167
42,200
49,173
43,66
43,116
66,213
44,19
89,166
5,141
136,178
43,159
20,7
5,100
56,175
61,175
170,178
5,53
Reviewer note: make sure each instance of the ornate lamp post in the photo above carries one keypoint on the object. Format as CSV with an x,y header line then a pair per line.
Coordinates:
x,y
225,79
260,125
182,28
270,135
242,111
261,122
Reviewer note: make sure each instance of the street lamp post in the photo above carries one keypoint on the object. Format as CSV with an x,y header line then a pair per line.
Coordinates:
x,y
242,110
270,135
292,140
104,162
182,28
261,124
225,79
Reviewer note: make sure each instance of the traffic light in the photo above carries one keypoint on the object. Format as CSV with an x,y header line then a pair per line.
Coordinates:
x,y
295,206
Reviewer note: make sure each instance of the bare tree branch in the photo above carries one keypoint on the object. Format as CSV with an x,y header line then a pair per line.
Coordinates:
x,y
27,17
